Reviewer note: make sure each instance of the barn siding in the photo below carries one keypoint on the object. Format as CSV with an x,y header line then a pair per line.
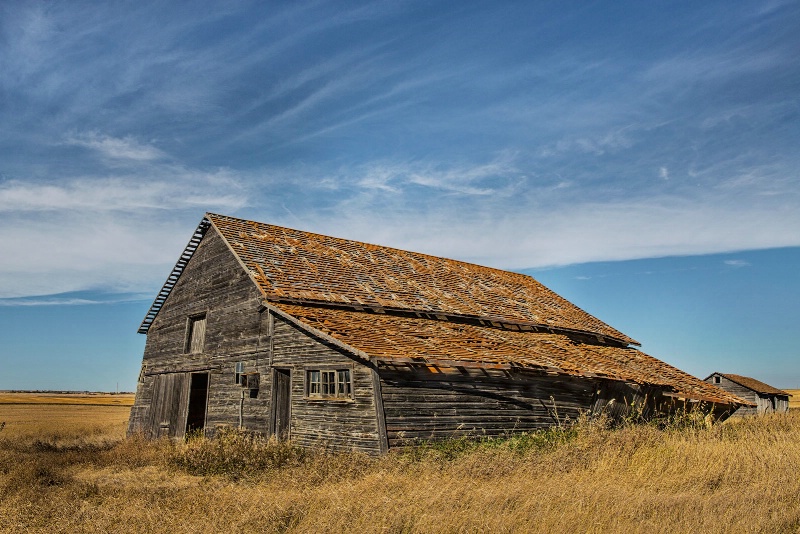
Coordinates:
x,y
742,392
430,403
763,401
422,403
332,423
213,283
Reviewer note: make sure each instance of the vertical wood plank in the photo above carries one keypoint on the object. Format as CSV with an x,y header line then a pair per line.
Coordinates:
x,y
379,413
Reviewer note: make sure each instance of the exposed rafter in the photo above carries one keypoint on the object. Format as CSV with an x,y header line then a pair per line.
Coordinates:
x,y
174,275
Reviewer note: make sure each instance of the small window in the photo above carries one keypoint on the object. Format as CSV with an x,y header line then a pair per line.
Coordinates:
x,y
239,372
329,383
314,389
195,334
717,379
343,386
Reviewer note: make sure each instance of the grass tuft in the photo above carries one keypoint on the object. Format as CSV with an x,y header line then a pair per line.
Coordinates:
x,y
234,454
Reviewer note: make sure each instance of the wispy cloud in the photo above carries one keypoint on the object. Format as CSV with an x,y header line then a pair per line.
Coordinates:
x,y
523,232
496,177
126,148
46,302
737,263
63,300
612,141
708,67
180,189
385,121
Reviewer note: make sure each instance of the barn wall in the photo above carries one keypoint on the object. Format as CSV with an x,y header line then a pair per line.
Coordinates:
x,y
433,403
332,423
772,403
213,283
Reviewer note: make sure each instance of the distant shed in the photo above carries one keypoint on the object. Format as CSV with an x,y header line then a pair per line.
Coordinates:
x,y
767,399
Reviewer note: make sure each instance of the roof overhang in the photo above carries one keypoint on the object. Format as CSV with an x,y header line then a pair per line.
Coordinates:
x,y
174,275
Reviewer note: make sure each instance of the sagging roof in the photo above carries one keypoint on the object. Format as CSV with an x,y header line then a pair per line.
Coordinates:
x,y
752,384
296,266
392,338
397,306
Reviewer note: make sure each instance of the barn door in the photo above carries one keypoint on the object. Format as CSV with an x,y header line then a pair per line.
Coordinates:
x,y
281,403
198,399
168,407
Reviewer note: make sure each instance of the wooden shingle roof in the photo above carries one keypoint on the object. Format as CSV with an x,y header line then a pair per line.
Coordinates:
x,y
393,338
302,267
392,305
752,384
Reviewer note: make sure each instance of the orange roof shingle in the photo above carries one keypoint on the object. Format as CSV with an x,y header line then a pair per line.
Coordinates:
x,y
395,338
302,266
752,383
431,310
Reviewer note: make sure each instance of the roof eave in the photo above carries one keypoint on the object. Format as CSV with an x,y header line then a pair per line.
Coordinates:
x,y
174,275
494,321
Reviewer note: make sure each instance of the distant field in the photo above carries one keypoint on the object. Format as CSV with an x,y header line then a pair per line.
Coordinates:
x,y
63,423
93,399
65,417
794,400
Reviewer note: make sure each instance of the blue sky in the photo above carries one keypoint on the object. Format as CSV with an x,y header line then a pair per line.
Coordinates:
x,y
639,158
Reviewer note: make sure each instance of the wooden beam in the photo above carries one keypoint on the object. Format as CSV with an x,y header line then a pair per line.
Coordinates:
x,y
383,438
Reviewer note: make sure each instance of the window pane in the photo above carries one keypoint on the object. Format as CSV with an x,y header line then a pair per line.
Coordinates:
x,y
344,382
328,383
313,383
238,370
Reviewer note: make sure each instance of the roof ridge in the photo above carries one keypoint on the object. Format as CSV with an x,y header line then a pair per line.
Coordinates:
x,y
327,269
384,247
346,270
750,383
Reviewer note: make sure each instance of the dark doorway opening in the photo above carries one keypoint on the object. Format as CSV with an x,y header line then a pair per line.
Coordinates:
x,y
198,398
281,403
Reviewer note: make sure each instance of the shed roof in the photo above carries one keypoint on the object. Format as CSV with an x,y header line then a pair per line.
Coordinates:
x,y
298,266
752,384
394,338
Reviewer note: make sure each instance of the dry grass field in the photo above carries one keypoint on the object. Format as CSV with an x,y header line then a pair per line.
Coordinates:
x,y
794,400
84,399
68,468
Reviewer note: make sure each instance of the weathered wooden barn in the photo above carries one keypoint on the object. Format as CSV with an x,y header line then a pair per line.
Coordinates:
x,y
764,398
355,346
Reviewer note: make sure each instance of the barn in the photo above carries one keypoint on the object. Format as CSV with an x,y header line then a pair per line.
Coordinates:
x,y
764,398
348,345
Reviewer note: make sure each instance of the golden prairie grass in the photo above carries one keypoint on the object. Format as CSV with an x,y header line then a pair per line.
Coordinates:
x,y
86,399
740,476
794,400
63,423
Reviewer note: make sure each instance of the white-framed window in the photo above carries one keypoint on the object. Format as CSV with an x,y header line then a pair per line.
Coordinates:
x,y
717,379
329,383
195,334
